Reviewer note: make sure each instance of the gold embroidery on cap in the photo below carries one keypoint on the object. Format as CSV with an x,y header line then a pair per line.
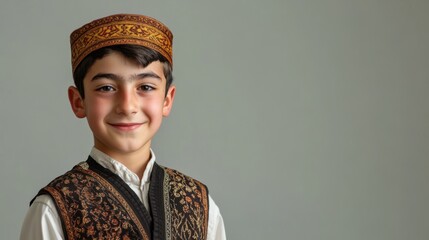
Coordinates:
x,y
121,29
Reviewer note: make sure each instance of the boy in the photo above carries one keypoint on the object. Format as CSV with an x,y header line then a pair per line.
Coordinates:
x,y
122,69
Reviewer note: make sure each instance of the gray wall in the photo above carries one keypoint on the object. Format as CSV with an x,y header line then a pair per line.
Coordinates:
x,y
308,119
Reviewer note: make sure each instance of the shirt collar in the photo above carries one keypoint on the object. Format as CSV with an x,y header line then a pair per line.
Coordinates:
x,y
121,170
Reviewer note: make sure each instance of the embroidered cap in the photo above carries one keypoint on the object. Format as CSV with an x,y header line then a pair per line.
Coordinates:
x,y
121,29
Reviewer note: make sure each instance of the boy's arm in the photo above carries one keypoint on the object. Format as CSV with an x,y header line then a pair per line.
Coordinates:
x,y
42,221
216,228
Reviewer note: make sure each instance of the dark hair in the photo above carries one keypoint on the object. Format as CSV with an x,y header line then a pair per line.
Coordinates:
x,y
141,55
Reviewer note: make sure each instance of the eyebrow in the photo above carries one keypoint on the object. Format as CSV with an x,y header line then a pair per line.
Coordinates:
x,y
116,77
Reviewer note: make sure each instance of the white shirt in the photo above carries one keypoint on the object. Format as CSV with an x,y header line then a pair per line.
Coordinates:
x,y
43,222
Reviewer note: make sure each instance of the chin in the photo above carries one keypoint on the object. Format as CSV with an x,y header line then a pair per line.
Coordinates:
x,y
131,148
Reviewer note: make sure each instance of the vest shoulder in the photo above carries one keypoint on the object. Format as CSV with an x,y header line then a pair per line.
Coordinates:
x,y
86,200
180,177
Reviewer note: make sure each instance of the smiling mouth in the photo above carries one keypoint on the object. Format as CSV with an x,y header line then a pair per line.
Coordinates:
x,y
126,126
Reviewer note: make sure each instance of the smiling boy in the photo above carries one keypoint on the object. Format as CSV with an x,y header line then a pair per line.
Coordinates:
x,y
124,105
122,68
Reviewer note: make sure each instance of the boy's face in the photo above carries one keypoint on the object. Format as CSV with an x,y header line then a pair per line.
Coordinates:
x,y
124,104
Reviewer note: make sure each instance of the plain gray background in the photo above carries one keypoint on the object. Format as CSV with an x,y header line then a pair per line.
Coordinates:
x,y
307,119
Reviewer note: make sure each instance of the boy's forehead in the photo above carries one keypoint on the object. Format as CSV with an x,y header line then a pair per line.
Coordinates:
x,y
117,67
118,30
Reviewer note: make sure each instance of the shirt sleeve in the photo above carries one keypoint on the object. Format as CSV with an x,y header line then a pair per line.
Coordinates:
x,y
216,228
42,221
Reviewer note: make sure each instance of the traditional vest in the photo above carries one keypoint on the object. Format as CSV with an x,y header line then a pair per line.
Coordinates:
x,y
94,203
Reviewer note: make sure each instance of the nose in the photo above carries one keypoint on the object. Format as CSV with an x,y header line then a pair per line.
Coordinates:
x,y
127,102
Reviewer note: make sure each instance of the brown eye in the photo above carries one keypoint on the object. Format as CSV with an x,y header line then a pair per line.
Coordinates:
x,y
146,88
105,89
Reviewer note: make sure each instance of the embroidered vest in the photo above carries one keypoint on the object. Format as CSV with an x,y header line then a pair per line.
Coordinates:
x,y
94,203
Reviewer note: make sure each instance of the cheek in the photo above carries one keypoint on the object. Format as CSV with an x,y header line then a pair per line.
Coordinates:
x,y
96,110
153,107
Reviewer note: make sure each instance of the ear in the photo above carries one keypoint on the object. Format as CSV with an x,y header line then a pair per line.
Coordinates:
x,y
76,102
168,101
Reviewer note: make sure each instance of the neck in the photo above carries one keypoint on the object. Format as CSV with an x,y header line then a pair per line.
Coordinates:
x,y
135,161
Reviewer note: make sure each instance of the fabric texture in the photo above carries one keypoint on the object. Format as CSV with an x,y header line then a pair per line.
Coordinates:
x,y
95,203
42,220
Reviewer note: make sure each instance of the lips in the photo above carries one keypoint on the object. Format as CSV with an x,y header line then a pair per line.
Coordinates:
x,y
126,126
